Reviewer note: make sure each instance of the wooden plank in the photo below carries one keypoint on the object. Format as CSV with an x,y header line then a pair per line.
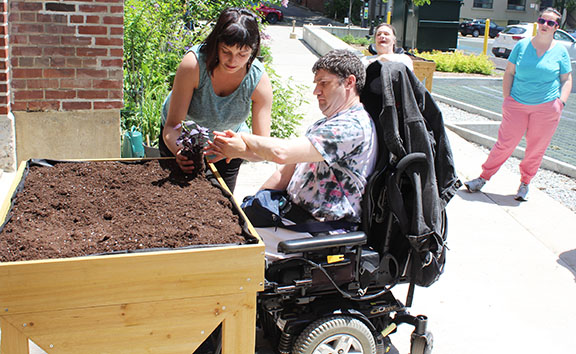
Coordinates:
x,y
177,326
13,341
239,330
32,286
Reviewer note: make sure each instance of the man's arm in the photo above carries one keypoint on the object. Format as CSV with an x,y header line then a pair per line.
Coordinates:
x,y
280,178
247,146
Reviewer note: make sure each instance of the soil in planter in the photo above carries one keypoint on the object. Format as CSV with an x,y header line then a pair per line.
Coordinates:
x,y
77,209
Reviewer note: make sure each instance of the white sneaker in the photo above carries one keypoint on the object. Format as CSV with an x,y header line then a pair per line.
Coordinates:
x,y
475,185
522,193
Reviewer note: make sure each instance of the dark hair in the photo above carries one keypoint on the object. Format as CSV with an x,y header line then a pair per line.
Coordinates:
x,y
554,11
235,27
342,63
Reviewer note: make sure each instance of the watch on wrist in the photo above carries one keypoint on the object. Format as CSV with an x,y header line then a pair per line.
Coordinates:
x,y
563,103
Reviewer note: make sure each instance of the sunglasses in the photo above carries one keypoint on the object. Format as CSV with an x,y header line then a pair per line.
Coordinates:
x,y
548,22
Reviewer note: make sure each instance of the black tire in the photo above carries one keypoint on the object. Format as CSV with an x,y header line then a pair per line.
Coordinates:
x,y
475,33
332,331
272,18
422,344
463,34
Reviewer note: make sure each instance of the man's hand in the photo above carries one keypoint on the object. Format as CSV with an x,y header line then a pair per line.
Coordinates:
x,y
186,165
228,145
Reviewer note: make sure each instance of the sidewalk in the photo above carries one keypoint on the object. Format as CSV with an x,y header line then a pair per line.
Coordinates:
x,y
509,284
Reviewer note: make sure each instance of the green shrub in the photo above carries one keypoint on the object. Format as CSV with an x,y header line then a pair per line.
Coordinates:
x,y
459,62
350,39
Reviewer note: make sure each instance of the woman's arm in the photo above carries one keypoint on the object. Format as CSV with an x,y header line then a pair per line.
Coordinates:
x,y
262,106
185,82
508,79
565,86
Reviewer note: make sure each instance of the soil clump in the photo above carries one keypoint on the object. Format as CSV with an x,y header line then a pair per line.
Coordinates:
x,y
86,208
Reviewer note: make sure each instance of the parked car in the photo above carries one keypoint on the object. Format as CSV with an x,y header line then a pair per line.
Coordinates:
x,y
477,27
270,14
507,39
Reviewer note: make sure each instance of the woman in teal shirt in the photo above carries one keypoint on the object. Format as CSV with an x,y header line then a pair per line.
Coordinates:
x,y
217,85
536,85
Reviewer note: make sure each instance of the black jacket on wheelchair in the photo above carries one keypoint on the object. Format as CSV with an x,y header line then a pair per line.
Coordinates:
x,y
344,281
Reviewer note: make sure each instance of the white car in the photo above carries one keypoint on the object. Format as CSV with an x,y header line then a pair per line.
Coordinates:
x,y
507,39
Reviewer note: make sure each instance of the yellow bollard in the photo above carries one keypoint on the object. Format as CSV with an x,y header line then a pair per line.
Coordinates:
x,y
535,29
388,16
293,34
486,35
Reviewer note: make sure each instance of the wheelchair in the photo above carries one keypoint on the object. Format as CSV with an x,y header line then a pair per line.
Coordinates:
x,y
336,295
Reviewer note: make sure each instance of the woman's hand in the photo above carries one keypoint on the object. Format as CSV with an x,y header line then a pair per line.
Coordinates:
x,y
186,165
228,145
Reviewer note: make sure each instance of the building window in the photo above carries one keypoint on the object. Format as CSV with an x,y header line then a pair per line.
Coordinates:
x,y
518,5
483,4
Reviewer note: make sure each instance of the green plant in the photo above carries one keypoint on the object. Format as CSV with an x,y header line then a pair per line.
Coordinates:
x,y
350,39
288,98
459,62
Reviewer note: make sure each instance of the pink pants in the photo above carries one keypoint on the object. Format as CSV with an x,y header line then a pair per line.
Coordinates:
x,y
539,122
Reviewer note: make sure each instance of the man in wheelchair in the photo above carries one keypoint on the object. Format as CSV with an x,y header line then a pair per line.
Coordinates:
x,y
342,242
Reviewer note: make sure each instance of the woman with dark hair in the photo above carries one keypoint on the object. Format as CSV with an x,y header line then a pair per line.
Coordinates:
x,y
385,45
536,84
217,85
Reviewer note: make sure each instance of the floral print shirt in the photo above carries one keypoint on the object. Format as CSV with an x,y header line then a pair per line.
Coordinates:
x,y
332,189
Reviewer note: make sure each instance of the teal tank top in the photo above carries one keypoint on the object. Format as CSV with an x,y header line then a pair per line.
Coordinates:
x,y
215,112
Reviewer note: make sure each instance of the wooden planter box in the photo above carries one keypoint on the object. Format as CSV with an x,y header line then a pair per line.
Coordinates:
x,y
424,71
151,302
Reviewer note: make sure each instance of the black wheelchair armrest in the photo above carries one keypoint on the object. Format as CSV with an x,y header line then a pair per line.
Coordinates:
x,y
356,238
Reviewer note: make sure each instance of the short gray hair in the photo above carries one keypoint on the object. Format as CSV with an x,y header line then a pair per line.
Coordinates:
x,y
342,63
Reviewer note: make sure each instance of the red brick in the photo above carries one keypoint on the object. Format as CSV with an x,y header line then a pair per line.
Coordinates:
x,y
75,83
75,105
52,18
92,30
119,53
93,8
106,84
3,65
19,84
109,105
60,94
116,9
26,51
4,76
93,19
27,17
4,110
92,95
116,31
119,94
19,106
111,62
18,39
76,41
26,62
26,6
113,20
3,99
59,51
27,28
91,52
3,5
21,95
44,106
91,73
73,63
43,84
14,17
117,74
109,41
58,73
44,39
26,73
47,62
60,29
89,62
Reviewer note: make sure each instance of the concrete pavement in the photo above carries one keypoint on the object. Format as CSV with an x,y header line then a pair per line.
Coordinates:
x,y
509,284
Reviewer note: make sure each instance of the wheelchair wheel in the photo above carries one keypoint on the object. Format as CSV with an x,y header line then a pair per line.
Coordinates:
x,y
335,334
422,344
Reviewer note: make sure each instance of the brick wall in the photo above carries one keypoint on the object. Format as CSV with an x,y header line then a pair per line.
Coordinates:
x,y
65,55
4,58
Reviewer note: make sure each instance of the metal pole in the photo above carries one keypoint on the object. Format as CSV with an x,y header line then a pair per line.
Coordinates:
x,y
486,35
